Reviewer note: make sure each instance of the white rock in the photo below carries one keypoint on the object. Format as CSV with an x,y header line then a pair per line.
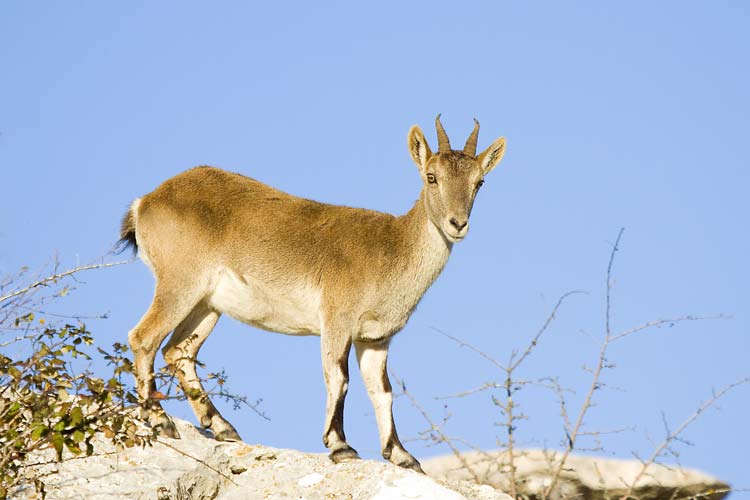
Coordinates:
x,y
415,488
197,467
593,478
311,479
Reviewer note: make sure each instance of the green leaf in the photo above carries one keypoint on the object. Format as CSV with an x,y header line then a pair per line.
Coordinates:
x,y
58,442
78,436
73,447
39,431
14,408
76,416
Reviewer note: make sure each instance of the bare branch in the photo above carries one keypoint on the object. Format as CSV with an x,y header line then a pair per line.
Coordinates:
x,y
509,385
595,384
481,388
55,277
661,322
673,435
577,435
552,315
463,343
618,430
436,429
608,311
202,462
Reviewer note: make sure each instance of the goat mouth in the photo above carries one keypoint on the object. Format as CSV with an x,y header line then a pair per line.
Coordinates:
x,y
450,235
453,238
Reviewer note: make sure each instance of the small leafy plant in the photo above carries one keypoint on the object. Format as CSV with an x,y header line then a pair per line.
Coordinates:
x,y
51,409
46,404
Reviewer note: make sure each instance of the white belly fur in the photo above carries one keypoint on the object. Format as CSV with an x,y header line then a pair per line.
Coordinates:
x,y
293,310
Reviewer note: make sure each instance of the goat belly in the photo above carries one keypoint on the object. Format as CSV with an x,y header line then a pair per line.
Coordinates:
x,y
282,309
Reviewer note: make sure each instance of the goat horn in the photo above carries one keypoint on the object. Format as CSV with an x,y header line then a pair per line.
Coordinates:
x,y
471,143
444,145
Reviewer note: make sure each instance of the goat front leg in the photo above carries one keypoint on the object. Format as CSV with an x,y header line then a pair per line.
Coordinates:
x,y
335,347
372,359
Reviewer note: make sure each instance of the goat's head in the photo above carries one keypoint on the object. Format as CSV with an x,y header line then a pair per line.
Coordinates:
x,y
451,177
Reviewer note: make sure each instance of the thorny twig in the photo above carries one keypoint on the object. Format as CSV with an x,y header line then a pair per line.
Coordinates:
x,y
661,322
573,431
436,429
55,277
552,315
510,385
202,462
462,343
675,435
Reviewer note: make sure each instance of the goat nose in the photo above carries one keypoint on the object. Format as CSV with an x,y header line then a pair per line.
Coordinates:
x,y
459,225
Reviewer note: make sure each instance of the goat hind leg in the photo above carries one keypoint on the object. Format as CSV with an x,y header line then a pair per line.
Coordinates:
x,y
163,315
181,353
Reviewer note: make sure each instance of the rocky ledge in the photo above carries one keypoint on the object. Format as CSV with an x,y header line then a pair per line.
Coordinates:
x,y
582,477
197,467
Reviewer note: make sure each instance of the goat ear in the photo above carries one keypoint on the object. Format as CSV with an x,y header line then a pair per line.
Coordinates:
x,y
491,156
418,147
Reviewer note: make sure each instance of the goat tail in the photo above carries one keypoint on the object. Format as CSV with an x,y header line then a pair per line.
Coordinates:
x,y
127,230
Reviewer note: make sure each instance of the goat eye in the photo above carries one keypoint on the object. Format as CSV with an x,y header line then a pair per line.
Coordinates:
x,y
480,184
431,178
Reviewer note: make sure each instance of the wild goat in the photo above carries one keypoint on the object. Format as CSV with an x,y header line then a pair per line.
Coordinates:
x,y
219,242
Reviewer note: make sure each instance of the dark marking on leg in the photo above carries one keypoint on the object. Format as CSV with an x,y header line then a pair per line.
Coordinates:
x,y
335,352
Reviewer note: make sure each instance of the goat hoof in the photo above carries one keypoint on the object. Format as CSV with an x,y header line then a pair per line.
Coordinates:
x,y
227,435
411,463
345,454
167,428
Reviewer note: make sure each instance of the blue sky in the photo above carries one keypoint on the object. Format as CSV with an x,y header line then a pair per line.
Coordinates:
x,y
631,115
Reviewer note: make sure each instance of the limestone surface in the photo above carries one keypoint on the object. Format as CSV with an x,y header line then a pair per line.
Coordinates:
x,y
585,477
198,467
